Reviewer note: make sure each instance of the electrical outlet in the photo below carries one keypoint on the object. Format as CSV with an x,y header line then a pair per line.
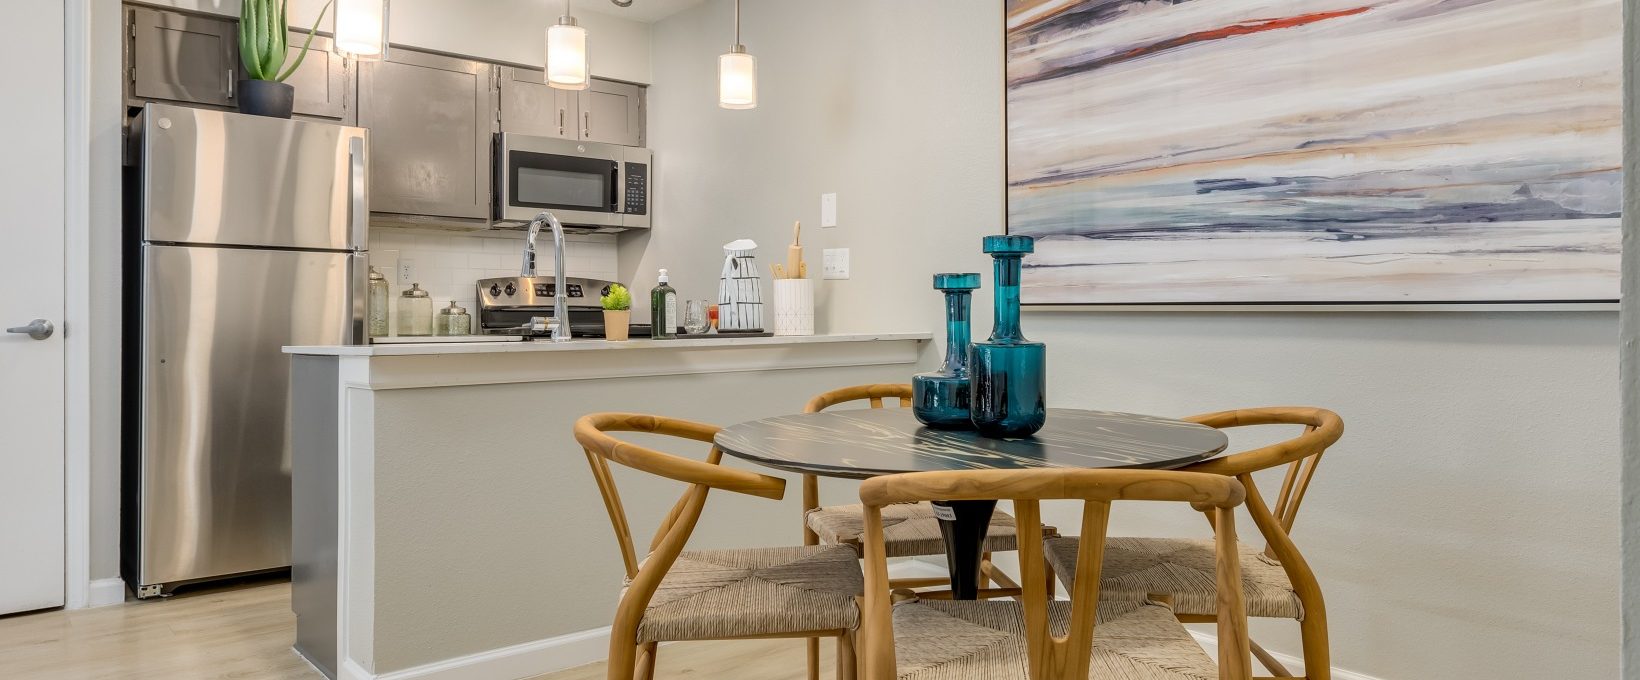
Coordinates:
x,y
835,263
407,272
828,210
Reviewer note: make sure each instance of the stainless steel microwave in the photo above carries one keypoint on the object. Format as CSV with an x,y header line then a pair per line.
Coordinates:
x,y
585,184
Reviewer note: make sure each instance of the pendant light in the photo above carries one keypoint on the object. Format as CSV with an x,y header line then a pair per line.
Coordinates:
x,y
737,74
360,27
567,64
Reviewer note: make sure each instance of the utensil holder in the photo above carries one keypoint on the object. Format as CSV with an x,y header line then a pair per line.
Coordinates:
x,y
794,306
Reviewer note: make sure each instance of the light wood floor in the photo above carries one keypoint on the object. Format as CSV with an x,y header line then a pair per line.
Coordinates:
x,y
246,633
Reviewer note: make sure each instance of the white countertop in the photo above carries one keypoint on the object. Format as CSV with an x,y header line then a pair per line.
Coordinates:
x,y
586,345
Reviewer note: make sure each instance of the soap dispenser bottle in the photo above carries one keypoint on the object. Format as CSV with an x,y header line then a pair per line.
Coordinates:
x,y
663,310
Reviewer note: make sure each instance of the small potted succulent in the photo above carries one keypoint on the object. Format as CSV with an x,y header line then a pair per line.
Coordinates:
x,y
262,48
617,312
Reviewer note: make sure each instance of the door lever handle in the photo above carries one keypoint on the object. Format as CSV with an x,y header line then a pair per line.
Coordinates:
x,y
39,329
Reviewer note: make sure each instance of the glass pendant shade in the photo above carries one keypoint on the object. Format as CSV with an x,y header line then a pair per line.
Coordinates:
x,y
940,398
360,27
737,79
567,65
1008,374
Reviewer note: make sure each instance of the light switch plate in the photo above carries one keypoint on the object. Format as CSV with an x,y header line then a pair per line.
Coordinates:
x,y
835,263
828,211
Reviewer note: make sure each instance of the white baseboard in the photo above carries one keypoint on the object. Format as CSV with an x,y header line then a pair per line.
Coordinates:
x,y
105,591
550,655
507,663
1210,642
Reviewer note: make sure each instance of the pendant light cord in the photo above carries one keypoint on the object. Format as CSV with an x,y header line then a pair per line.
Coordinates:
x,y
737,22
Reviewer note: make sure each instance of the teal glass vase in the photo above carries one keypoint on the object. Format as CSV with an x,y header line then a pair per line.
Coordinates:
x,y
940,398
1007,373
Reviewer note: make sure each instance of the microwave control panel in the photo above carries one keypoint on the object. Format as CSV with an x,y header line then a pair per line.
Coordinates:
x,y
637,189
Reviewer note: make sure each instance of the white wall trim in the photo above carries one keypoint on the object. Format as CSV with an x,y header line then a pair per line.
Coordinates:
x,y
1210,642
518,661
553,654
105,591
79,590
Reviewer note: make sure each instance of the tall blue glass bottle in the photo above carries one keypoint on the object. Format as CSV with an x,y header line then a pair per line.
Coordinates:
x,y
940,398
1007,373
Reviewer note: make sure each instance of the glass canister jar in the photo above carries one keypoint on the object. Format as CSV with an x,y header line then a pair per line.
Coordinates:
x,y
415,312
453,320
377,310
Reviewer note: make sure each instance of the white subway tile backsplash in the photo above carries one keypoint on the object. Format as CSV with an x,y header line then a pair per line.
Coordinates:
x,y
448,265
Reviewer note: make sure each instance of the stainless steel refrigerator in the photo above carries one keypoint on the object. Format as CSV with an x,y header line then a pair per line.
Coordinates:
x,y
243,234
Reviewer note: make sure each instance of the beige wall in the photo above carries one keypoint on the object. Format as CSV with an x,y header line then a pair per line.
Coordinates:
x,y
1630,348
1466,526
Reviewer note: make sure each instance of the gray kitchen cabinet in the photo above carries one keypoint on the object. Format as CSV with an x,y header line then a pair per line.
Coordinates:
x,y
323,83
193,59
530,107
180,57
430,118
612,113
607,111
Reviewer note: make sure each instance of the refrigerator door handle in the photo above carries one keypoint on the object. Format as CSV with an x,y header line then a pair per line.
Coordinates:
x,y
358,266
358,206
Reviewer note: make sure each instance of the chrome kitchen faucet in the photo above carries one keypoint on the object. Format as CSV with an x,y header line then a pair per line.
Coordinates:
x,y
560,299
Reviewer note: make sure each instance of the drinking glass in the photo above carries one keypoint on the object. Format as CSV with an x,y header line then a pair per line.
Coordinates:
x,y
694,317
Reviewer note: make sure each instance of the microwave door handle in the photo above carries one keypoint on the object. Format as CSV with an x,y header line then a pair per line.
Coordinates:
x,y
615,187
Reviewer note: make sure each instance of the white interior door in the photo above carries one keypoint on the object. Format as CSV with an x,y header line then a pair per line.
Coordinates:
x,y
31,296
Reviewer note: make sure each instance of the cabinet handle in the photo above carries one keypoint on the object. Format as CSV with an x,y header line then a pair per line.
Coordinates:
x,y
230,83
560,122
586,123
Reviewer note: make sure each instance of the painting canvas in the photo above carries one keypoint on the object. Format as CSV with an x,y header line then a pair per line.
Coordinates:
x,y
1316,151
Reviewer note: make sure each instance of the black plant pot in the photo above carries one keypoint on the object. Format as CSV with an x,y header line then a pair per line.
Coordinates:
x,y
266,98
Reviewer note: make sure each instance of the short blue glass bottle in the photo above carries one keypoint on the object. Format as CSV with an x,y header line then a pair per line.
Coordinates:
x,y
940,398
1007,373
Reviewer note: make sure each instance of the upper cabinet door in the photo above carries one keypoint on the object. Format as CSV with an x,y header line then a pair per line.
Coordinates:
x,y
431,118
530,107
181,58
612,113
321,82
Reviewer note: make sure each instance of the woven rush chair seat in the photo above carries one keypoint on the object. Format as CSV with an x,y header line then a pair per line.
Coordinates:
x,y
1137,568
909,529
942,640
718,594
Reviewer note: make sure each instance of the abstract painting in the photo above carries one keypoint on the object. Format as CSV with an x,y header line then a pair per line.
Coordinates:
x,y
1316,151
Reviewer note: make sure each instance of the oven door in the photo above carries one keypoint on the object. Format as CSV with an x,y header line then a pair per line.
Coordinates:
x,y
580,182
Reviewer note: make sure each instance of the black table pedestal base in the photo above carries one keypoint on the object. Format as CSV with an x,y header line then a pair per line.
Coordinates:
x,y
964,524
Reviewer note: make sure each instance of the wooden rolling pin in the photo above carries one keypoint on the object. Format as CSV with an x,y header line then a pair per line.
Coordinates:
x,y
794,252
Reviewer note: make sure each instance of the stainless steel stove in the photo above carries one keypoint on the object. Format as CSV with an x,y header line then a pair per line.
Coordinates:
x,y
522,305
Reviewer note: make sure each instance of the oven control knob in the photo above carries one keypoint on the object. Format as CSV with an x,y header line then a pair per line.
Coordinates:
x,y
511,289
495,290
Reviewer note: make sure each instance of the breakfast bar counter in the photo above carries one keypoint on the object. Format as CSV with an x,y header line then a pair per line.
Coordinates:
x,y
444,517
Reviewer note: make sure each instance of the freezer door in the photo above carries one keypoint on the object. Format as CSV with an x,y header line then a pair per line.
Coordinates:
x,y
214,177
215,466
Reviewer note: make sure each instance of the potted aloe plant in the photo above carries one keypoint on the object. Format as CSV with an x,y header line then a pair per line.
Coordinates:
x,y
262,48
617,312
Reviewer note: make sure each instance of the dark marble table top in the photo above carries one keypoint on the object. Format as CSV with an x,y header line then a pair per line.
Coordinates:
x,y
865,443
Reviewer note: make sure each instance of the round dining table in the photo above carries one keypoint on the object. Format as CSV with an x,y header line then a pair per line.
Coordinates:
x,y
863,443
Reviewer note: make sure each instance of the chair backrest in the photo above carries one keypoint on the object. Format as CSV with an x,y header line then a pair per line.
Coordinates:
x,y
701,476
1300,454
875,394
1054,657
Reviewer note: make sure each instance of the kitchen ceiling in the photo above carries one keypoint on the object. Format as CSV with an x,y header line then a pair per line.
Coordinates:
x,y
648,11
